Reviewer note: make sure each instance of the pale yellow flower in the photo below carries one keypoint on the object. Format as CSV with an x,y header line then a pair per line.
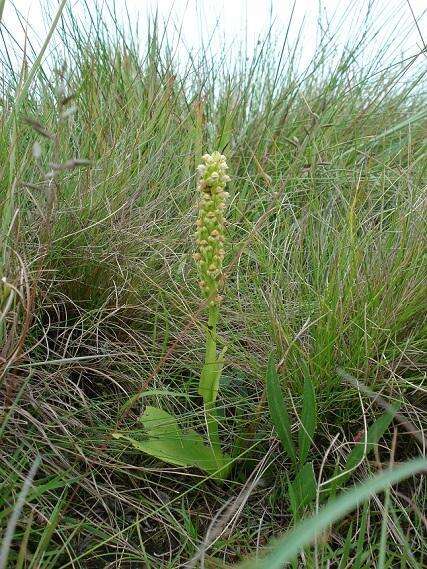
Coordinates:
x,y
210,223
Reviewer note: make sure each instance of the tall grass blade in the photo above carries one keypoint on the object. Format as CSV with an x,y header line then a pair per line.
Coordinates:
x,y
288,547
23,91
36,560
10,529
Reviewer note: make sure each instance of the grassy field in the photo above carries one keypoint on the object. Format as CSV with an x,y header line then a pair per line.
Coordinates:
x,y
322,398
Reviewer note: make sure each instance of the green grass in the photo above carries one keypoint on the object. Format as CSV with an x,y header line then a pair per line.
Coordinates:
x,y
325,271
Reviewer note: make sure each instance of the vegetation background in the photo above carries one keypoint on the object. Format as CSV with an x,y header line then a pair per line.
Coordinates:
x,y
101,312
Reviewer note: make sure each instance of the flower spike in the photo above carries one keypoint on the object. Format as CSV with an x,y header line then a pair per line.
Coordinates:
x,y
210,224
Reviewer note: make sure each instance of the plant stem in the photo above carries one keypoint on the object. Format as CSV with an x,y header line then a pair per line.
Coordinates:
x,y
211,364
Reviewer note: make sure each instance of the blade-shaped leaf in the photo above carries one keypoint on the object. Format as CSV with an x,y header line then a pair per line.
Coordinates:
x,y
367,444
308,419
209,381
302,489
50,528
203,456
167,442
278,410
210,378
166,450
160,423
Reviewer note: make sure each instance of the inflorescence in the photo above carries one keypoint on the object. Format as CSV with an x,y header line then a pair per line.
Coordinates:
x,y
210,224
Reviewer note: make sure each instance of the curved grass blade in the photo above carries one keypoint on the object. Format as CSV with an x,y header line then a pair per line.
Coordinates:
x,y
286,549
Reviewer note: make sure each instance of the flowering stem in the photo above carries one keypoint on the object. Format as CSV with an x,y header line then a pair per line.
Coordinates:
x,y
211,363
209,257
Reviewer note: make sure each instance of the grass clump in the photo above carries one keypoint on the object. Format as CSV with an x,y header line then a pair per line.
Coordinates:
x,y
323,311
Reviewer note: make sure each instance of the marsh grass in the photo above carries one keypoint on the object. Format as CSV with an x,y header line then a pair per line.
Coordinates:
x,y
326,269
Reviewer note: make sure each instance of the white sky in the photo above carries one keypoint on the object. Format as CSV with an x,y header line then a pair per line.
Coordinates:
x,y
238,21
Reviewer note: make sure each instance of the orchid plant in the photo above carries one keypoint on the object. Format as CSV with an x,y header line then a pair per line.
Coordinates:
x,y
165,439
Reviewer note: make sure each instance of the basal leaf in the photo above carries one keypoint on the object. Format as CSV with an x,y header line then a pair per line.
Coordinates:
x,y
203,455
160,423
167,450
367,444
302,489
308,419
278,410
167,442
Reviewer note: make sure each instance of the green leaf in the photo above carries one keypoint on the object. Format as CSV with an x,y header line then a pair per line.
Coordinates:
x,y
302,489
210,378
361,540
308,419
38,491
366,445
49,529
278,410
167,442
288,547
23,553
17,509
345,553
160,423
